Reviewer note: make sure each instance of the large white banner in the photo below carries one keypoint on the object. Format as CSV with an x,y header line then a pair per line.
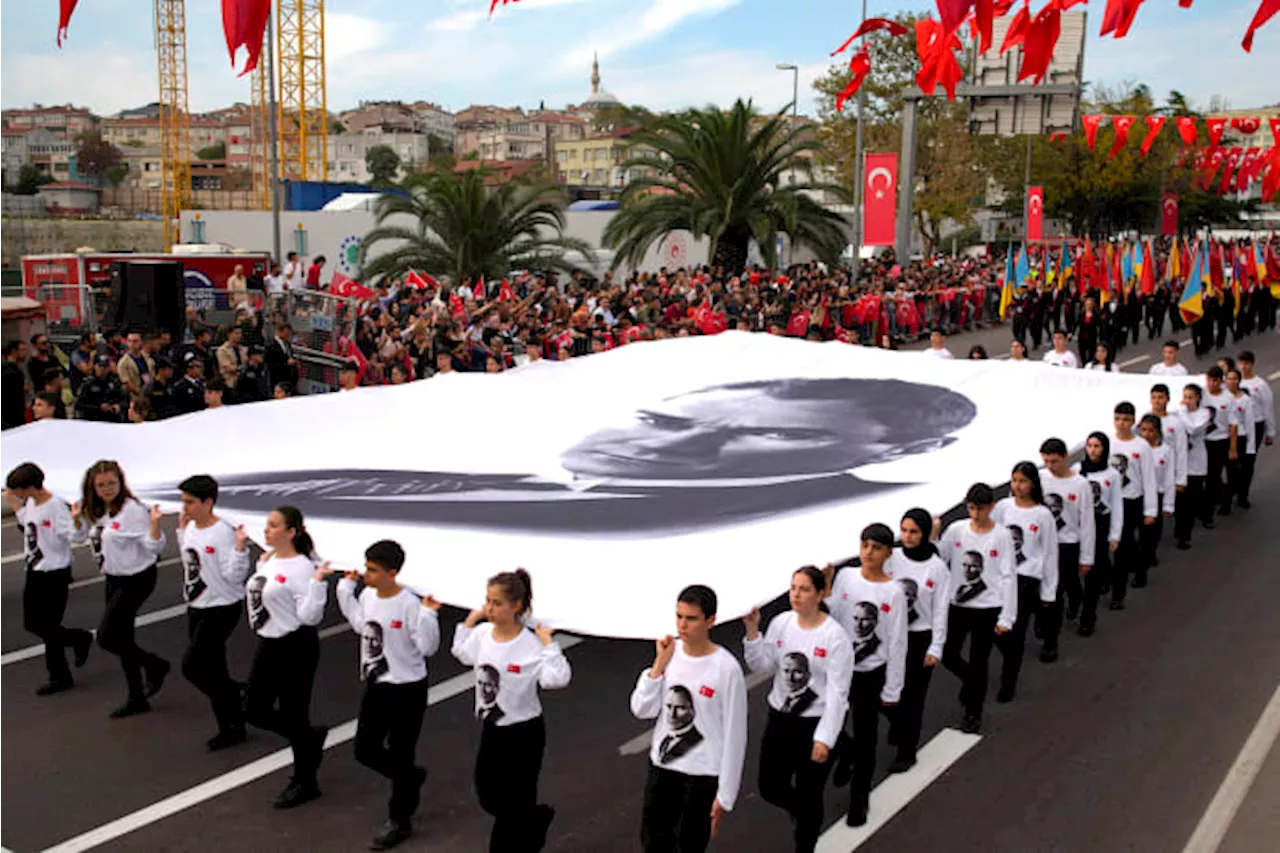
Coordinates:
x,y
617,479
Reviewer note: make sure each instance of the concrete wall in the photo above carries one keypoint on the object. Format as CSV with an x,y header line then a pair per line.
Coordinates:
x,y
44,236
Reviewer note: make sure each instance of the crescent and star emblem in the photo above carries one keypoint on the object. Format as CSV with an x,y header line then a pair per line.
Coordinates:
x,y
871,180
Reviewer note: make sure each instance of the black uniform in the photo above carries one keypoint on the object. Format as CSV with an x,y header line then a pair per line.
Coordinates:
x,y
95,392
252,384
160,395
188,395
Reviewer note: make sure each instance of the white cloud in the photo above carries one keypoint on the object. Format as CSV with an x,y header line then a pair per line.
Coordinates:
x,y
106,79
346,35
697,79
659,18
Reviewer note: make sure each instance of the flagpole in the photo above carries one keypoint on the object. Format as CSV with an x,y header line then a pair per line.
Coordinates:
x,y
858,178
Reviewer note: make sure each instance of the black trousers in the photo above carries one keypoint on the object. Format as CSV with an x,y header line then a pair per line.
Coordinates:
x,y
1149,538
1098,575
1014,643
1070,592
1128,557
1187,506
905,724
789,778
387,741
280,682
125,595
864,713
980,624
205,662
506,777
1247,463
1217,491
44,602
677,811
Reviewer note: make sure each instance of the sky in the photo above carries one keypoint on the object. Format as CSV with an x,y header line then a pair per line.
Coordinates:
x,y
663,54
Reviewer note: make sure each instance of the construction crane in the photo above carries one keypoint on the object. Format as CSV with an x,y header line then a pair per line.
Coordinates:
x,y
302,110
175,119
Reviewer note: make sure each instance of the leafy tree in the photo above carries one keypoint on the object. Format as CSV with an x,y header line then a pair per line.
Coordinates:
x,y
30,180
336,126
216,151
718,175
95,155
438,145
383,163
470,155
453,225
115,174
621,116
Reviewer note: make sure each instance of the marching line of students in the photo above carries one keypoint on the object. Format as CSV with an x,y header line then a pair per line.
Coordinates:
x,y
861,639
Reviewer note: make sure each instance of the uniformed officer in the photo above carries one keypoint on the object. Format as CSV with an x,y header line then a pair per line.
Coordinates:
x,y
188,392
253,383
160,392
102,397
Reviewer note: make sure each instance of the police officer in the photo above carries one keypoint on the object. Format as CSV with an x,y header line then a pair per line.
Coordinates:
x,y
102,397
253,383
160,392
188,392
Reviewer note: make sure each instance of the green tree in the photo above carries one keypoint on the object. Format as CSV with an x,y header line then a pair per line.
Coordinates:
x,y
94,155
621,116
30,180
115,174
383,163
336,126
718,175
216,151
437,145
453,225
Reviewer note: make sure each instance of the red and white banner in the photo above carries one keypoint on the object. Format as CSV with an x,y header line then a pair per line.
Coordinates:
x,y
349,288
420,281
1169,215
1035,213
879,201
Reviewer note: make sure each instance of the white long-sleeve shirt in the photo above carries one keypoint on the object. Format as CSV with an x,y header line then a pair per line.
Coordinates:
x,y
812,669
283,595
1037,556
1108,502
509,674
1222,415
1166,485
46,534
700,704
1245,410
1132,458
926,588
1163,369
1196,424
874,614
397,634
213,571
1061,359
1265,413
1174,436
982,575
1070,500
122,543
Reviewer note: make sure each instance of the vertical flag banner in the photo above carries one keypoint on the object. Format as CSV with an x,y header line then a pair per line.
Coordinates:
x,y
1035,213
880,200
1191,303
1169,215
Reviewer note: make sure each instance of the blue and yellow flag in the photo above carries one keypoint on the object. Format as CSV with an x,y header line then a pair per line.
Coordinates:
x,y
1191,302
1006,286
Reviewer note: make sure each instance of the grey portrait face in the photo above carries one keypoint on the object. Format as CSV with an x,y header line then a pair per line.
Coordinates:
x,y
372,637
1121,463
795,671
1054,502
864,619
487,678
680,712
910,590
972,566
1016,534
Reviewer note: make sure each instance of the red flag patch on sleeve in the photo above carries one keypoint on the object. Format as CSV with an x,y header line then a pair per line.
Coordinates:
x,y
704,690
885,607
396,623
281,579
46,523
513,668
819,652
209,549
995,553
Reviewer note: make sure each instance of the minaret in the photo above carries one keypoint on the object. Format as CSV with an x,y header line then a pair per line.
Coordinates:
x,y
595,74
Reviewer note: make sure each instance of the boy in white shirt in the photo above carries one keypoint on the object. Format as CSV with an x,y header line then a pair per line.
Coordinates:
x,y
1169,361
937,345
1060,356
1131,456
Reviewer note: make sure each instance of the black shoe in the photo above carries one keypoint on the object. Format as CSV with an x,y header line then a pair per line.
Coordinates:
x,y
81,648
1005,695
296,794
1183,546
971,725
51,687
226,738
1244,503
1085,631
390,835
857,815
901,765
1116,605
1048,655
130,709
155,676
1139,581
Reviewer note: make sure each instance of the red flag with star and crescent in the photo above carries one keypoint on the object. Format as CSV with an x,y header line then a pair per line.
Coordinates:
x,y
880,199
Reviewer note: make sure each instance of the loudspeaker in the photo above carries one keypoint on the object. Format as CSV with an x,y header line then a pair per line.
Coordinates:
x,y
147,296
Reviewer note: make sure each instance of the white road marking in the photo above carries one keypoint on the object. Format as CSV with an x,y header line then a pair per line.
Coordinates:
x,y
1274,376
640,743
1185,343
1222,809
898,790
1134,360
247,773
15,557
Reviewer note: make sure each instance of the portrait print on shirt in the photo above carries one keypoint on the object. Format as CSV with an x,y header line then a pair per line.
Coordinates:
x,y
865,618
1053,500
973,585
1018,537
682,735
34,554
1099,506
1121,463
95,544
489,683
911,591
373,655
796,674
258,615
192,583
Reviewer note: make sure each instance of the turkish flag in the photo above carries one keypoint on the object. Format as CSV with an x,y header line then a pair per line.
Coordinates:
x,y
1216,127
419,281
1249,166
1091,124
1266,9
1035,213
1234,156
879,202
65,8
243,24
1169,215
1275,128
1122,125
1017,32
348,288
1154,125
1187,130
1247,126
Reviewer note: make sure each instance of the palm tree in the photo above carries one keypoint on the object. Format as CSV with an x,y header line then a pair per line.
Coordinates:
x,y
719,175
463,230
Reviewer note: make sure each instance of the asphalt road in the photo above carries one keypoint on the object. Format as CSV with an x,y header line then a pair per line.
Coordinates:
x,y
1119,746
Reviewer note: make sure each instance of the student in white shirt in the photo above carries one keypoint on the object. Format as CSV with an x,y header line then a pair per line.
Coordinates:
x,y
1070,501
984,597
1223,424
1060,356
215,566
1192,503
937,345
926,587
1260,390
398,632
511,660
285,598
45,522
1017,350
872,608
294,275
126,541
1169,365
1131,456
1034,534
1174,434
1108,518
812,661
696,691
1243,454
1102,360
1151,430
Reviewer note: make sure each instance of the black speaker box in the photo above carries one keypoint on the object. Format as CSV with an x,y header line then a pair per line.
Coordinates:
x,y
147,296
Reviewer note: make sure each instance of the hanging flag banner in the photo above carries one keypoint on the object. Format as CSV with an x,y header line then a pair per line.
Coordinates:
x,y
726,460
1169,215
880,199
1035,213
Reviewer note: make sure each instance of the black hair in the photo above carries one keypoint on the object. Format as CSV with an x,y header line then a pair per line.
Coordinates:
x,y
1173,344
37,336
293,520
387,554
815,576
1195,389
1087,465
49,398
1029,470
1154,420
1054,447
1214,372
1229,361
980,494
937,330
29,476
1246,355
517,586
286,387
319,259
202,487
700,596
1239,375
1126,408
877,533
217,383
977,352
10,347
1057,332
1160,388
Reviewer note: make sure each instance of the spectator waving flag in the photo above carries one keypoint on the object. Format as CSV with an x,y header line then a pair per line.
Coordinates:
x,y
420,281
349,288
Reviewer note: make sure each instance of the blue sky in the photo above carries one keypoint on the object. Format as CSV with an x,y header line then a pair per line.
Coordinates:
x,y
662,53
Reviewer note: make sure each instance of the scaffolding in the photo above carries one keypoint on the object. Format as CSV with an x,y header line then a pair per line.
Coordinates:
x,y
260,136
175,121
302,109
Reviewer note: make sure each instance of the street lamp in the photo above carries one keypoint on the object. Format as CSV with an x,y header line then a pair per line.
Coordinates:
x,y
795,105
